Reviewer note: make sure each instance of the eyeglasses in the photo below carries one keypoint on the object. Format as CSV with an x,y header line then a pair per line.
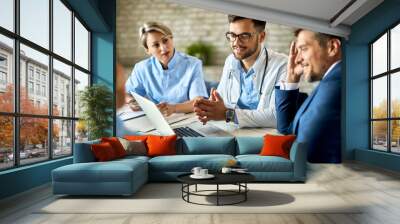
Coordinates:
x,y
244,37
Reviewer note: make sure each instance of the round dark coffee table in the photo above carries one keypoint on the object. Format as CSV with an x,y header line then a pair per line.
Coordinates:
x,y
238,179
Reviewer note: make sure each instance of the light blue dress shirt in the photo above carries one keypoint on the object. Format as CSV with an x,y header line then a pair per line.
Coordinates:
x,y
249,96
182,81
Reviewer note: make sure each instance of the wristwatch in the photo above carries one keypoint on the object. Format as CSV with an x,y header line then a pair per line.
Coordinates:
x,y
229,115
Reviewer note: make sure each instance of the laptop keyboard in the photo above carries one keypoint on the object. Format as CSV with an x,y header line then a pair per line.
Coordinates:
x,y
187,132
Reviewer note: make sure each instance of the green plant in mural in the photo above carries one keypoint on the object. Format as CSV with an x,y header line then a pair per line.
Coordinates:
x,y
96,102
202,51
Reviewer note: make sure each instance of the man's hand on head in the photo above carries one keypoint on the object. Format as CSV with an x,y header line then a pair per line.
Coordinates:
x,y
294,69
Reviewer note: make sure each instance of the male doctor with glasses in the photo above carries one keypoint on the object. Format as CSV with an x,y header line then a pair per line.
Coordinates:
x,y
245,94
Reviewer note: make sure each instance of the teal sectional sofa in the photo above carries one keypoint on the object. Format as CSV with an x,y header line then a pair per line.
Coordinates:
x,y
125,176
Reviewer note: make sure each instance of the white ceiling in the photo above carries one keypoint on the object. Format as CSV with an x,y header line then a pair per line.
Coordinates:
x,y
328,16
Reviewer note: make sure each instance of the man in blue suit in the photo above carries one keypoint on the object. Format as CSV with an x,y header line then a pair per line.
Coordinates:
x,y
314,119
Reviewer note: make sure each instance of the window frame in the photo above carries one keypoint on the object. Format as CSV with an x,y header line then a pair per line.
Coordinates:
x,y
388,74
16,114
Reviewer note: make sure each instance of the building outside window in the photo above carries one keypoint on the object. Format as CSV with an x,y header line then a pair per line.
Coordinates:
x,y
3,71
38,89
30,72
43,78
3,78
43,90
3,61
58,134
30,87
385,92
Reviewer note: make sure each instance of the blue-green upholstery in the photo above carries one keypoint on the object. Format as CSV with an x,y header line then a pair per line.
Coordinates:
x,y
125,176
259,163
118,177
212,145
249,145
82,152
179,164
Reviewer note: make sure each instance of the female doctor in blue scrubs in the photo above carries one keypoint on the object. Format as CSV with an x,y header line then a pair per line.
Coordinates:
x,y
171,79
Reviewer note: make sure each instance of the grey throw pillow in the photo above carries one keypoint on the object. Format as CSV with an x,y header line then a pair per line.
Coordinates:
x,y
137,148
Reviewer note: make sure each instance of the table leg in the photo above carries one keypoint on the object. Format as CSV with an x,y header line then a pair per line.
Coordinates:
x,y
217,194
245,191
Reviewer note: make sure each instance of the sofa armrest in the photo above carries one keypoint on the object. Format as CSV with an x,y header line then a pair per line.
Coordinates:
x,y
83,152
298,155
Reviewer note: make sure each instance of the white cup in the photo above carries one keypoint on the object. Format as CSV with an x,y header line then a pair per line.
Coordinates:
x,y
196,170
226,170
203,172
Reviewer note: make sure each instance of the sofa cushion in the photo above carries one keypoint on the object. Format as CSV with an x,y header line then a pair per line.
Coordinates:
x,y
134,147
185,163
257,163
136,137
103,152
129,158
277,145
112,171
161,145
209,145
116,145
249,145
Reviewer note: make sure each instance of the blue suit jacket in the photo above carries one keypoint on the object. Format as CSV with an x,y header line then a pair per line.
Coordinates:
x,y
315,119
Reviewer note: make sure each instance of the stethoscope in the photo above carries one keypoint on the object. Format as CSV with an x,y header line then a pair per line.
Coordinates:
x,y
262,80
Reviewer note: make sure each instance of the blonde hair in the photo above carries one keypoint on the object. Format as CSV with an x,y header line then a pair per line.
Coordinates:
x,y
151,27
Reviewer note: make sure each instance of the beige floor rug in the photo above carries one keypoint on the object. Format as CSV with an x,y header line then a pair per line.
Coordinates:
x,y
166,198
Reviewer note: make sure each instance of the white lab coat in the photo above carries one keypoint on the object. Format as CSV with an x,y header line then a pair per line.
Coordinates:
x,y
229,88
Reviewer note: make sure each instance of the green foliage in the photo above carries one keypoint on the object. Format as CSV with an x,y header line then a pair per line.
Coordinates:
x,y
380,127
96,102
202,51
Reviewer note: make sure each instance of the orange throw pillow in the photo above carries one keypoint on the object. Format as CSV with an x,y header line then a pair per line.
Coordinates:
x,y
276,145
116,145
136,137
103,152
161,145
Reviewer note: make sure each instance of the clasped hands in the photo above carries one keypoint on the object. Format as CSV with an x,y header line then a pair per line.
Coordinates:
x,y
210,109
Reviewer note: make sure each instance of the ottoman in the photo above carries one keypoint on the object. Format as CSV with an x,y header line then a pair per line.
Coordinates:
x,y
118,177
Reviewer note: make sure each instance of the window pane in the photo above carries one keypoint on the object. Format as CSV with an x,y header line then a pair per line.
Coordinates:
x,y
35,21
7,14
81,45
6,142
62,29
379,55
379,98
395,47
62,89
33,139
379,135
6,74
395,136
62,138
34,97
395,95
81,131
81,81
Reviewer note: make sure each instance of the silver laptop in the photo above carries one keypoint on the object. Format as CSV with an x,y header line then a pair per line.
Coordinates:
x,y
160,123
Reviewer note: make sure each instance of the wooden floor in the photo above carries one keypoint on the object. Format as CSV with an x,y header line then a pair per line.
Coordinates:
x,y
377,188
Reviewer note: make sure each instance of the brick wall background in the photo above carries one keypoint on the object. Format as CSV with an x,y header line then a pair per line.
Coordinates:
x,y
188,25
